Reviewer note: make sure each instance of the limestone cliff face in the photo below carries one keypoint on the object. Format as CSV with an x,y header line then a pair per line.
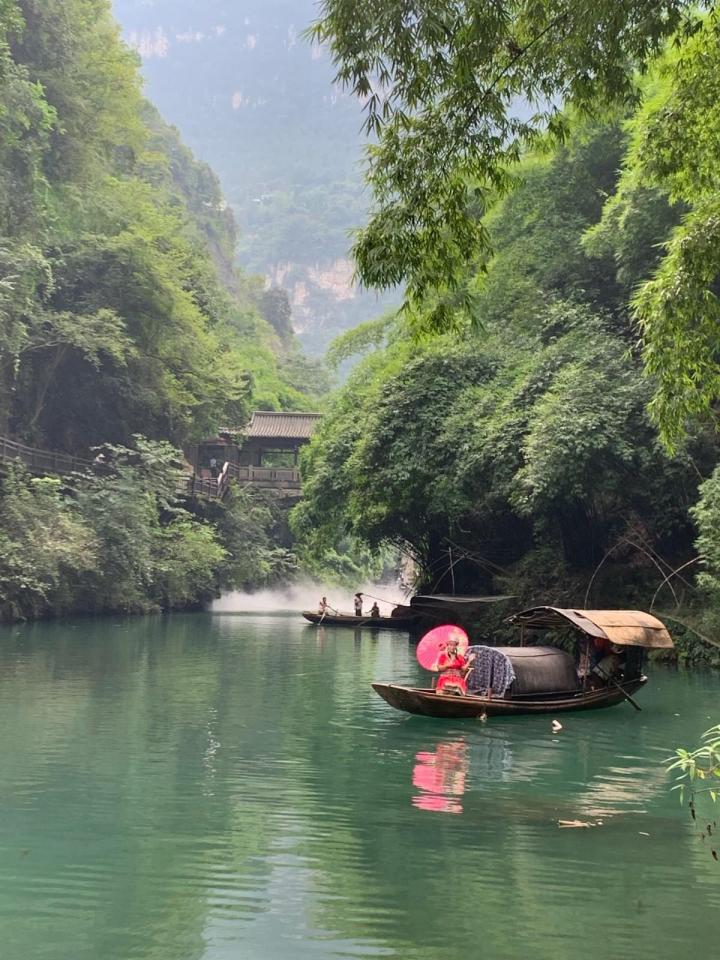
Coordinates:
x,y
325,299
258,103
334,278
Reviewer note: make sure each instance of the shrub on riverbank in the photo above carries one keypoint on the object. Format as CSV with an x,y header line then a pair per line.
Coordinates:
x,y
119,540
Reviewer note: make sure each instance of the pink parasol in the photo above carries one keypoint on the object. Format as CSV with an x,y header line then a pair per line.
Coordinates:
x,y
436,640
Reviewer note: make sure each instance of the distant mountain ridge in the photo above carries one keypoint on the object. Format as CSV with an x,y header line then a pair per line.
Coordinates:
x,y
257,101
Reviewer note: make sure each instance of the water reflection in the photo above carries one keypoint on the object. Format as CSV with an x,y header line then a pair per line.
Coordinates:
x,y
492,759
440,776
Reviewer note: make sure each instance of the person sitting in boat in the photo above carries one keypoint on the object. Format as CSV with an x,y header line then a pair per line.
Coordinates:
x,y
610,665
358,604
453,668
375,610
607,660
323,606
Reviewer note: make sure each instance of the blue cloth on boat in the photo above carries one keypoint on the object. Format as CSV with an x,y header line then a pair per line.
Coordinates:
x,y
492,670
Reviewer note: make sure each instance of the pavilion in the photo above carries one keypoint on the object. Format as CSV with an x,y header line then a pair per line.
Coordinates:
x,y
271,438
271,432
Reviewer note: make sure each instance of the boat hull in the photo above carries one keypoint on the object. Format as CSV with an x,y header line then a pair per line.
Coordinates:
x,y
427,703
341,620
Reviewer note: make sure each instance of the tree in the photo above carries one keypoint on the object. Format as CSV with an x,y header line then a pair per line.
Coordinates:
x,y
675,147
453,92
697,774
46,545
275,307
518,457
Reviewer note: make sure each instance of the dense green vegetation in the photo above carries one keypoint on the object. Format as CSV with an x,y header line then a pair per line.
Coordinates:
x,y
518,455
541,417
450,138
122,316
442,84
121,540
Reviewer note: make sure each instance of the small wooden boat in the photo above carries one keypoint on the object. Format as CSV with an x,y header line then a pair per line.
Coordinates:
x,y
346,620
547,679
427,703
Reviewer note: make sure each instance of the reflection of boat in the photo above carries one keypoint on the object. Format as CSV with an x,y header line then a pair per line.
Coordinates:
x,y
440,777
548,679
346,620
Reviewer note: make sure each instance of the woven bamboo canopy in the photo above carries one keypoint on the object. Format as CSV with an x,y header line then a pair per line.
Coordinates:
x,y
630,628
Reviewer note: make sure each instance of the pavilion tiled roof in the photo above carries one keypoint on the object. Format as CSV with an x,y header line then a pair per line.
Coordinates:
x,y
271,424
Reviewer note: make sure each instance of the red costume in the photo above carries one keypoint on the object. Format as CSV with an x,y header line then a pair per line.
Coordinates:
x,y
452,672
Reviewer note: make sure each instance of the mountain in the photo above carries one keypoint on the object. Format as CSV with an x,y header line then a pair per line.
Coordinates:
x,y
256,100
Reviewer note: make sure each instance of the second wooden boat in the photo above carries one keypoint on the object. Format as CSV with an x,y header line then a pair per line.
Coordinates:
x,y
346,620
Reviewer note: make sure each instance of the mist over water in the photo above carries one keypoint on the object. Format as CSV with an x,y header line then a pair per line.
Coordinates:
x,y
305,595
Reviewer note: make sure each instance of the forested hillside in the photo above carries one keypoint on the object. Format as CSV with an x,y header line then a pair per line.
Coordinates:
x,y
121,314
520,450
257,101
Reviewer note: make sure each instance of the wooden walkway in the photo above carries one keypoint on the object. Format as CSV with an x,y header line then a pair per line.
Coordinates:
x,y
42,462
49,463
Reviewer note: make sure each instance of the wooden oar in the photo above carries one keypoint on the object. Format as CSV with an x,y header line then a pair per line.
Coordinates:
x,y
327,607
623,692
324,613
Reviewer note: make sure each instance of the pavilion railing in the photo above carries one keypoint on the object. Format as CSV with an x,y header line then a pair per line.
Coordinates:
x,y
267,478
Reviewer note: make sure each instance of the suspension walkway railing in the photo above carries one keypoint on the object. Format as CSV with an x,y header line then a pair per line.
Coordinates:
x,y
42,461
48,462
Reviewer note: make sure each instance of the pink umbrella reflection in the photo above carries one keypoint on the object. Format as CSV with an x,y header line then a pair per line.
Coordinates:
x,y
440,776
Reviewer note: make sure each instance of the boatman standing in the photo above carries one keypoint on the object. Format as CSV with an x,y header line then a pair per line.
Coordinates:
x,y
358,604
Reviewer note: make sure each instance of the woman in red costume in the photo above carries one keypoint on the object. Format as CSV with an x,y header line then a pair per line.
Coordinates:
x,y
453,668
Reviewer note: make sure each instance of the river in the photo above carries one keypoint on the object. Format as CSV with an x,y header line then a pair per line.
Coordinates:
x,y
212,787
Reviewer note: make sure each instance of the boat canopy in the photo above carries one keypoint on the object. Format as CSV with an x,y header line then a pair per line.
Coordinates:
x,y
629,628
446,604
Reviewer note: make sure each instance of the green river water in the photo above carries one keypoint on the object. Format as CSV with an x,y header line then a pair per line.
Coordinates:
x,y
213,787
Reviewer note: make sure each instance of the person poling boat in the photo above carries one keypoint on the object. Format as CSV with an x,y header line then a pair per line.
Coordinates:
x,y
400,619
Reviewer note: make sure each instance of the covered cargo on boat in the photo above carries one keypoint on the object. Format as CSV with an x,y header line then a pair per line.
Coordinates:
x,y
522,670
541,670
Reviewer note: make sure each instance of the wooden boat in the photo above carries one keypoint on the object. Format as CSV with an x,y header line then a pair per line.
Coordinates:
x,y
421,610
427,703
346,620
546,679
